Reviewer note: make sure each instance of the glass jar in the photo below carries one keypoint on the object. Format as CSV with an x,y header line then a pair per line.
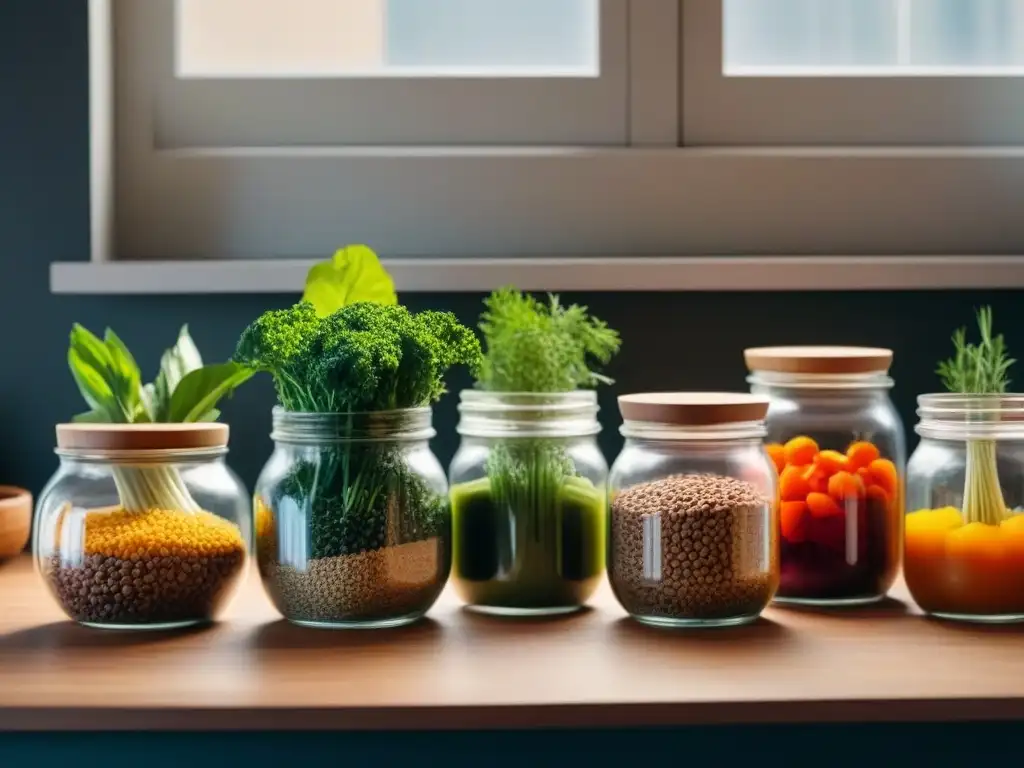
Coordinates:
x,y
838,444
352,522
143,526
693,539
528,502
964,545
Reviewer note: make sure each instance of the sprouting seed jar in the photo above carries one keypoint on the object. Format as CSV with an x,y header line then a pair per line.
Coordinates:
x,y
143,526
352,521
528,502
964,539
838,445
694,536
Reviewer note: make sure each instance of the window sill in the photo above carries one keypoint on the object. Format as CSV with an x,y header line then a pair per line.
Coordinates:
x,y
796,273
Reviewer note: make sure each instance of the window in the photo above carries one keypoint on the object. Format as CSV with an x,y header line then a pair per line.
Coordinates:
x,y
560,144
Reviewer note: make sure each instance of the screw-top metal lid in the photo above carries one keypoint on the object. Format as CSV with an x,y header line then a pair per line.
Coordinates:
x,y
819,359
693,408
141,437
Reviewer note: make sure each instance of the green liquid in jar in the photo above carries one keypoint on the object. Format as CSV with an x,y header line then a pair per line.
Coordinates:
x,y
546,551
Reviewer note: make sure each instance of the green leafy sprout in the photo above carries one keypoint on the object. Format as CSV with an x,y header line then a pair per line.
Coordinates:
x,y
980,369
184,391
532,346
349,348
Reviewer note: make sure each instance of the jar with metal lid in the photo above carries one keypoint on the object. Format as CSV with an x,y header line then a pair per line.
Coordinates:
x,y
964,542
693,536
352,520
528,502
143,526
838,445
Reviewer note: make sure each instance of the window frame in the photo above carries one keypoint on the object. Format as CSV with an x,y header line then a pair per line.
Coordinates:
x,y
656,214
834,109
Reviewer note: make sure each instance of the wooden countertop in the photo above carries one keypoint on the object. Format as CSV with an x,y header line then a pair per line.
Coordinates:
x,y
458,670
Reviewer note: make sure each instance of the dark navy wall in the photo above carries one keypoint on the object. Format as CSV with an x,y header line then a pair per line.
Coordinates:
x,y
671,341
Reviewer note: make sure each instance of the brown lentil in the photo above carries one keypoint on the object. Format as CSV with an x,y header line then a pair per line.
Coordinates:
x,y
151,567
693,547
387,583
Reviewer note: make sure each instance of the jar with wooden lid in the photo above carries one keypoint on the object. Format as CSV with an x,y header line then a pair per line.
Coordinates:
x,y
838,445
693,535
143,526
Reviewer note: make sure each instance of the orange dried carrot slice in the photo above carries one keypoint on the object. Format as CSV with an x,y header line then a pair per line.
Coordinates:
x,y
831,462
822,505
861,454
778,455
794,519
878,496
844,485
793,486
801,450
883,472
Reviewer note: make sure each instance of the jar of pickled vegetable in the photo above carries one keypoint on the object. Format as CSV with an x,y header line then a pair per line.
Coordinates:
x,y
528,502
838,445
352,519
964,546
694,539
143,526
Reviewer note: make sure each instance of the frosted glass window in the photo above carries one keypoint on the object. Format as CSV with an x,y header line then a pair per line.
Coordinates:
x,y
334,38
897,37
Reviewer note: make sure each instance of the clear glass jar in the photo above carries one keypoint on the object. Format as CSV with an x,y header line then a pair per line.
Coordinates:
x,y
143,526
528,502
694,539
353,528
964,543
839,447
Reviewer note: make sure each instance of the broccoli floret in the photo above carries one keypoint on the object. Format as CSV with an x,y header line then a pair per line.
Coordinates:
x,y
364,357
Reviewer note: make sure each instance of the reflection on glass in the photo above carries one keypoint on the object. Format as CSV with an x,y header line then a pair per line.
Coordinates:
x,y
324,38
897,36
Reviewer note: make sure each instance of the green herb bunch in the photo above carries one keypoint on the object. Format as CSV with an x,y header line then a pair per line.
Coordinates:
x,y
537,347
348,349
980,369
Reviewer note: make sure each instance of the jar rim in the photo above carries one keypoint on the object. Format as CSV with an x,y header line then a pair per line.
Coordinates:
x,y
671,432
310,428
528,414
824,382
966,416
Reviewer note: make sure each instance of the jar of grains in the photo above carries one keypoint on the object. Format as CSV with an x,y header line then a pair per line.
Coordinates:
x,y
693,531
528,502
838,445
143,526
352,518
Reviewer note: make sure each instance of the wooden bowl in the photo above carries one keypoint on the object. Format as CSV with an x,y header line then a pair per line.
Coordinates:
x,y
15,520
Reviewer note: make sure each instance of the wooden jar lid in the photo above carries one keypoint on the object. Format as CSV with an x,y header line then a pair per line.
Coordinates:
x,y
693,408
141,437
819,359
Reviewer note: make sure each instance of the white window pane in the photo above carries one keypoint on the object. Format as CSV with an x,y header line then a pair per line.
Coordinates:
x,y
331,38
901,37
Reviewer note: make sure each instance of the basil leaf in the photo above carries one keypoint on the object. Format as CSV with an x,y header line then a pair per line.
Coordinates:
x,y
92,417
200,391
353,275
124,377
95,389
179,361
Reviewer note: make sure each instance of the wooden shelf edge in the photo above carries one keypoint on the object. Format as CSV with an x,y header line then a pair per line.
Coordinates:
x,y
504,717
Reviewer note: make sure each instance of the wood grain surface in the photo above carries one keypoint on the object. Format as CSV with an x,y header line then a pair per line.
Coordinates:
x,y
458,670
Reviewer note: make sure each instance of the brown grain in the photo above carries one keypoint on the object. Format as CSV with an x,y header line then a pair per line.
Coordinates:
x,y
151,589
712,556
387,583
